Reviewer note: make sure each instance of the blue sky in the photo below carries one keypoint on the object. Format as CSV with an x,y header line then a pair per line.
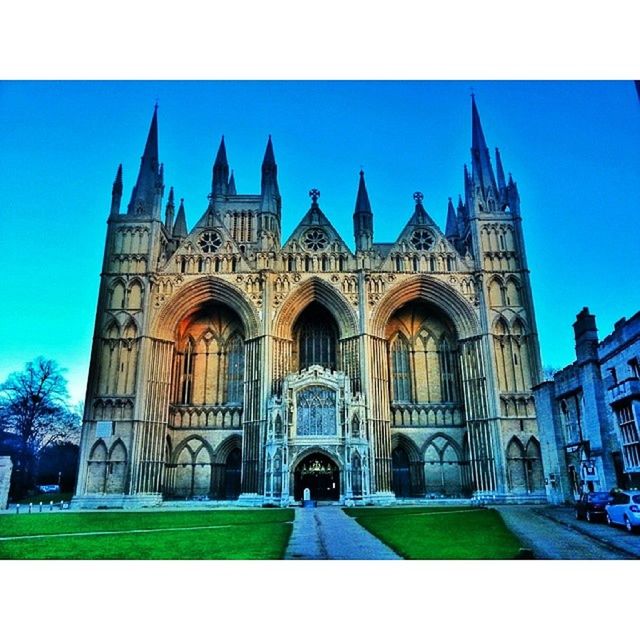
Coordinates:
x,y
572,147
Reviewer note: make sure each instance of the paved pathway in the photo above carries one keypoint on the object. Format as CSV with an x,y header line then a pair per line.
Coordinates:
x,y
327,533
553,533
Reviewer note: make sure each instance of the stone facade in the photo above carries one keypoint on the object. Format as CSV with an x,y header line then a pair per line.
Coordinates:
x,y
6,467
589,413
227,365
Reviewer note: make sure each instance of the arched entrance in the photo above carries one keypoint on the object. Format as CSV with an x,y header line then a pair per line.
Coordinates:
x,y
232,475
318,473
401,478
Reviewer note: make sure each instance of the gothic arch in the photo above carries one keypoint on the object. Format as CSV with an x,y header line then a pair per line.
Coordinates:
x,y
443,466
450,442
117,468
406,480
516,469
428,289
496,293
225,448
193,295
135,294
315,289
400,440
301,455
117,293
513,292
187,443
534,465
97,468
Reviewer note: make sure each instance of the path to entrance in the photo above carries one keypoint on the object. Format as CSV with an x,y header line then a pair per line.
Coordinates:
x,y
327,533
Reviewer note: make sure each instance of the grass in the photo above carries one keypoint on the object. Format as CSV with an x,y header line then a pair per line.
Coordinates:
x,y
244,535
440,533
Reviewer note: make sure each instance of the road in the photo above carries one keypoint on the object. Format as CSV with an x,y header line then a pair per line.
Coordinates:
x,y
553,533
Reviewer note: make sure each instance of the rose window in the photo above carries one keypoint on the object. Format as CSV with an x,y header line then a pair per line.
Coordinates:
x,y
210,241
315,240
421,239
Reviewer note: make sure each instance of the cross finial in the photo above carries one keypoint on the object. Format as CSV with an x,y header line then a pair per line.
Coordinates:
x,y
418,197
314,194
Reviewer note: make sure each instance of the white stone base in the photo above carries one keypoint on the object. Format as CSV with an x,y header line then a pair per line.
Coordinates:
x,y
381,498
250,500
116,501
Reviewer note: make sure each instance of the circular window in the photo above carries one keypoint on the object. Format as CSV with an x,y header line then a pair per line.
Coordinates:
x,y
422,239
210,241
315,240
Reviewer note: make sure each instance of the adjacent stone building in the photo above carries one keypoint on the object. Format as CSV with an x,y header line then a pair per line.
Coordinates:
x,y
229,365
588,414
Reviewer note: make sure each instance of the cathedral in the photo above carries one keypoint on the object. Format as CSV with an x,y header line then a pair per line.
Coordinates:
x,y
230,366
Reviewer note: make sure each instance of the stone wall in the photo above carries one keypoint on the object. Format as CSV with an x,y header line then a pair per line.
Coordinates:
x,y
6,467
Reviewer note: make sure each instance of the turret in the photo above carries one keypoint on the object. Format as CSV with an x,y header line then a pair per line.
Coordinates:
x,y
169,213
451,230
220,181
363,218
147,193
586,335
180,227
231,189
116,193
269,220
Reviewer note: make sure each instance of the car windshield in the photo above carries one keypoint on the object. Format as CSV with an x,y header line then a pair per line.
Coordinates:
x,y
636,499
599,495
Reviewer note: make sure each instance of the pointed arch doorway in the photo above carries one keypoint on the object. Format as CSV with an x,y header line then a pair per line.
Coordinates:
x,y
318,473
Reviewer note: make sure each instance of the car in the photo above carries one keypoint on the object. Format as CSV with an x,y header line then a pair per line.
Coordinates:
x,y
591,506
624,509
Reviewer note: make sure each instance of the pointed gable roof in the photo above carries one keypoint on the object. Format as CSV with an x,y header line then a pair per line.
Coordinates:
x,y
314,219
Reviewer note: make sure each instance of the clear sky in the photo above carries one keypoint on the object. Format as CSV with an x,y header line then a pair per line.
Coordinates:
x,y
572,147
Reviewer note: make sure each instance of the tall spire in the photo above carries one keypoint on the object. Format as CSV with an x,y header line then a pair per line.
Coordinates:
x,y
500,171
451,230
147,192
116,193
363,218
231,189
269,182
481,162
169,212
180,227
220,182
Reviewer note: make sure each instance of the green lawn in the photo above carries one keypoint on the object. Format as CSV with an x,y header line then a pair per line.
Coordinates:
x,y
440,533
260,534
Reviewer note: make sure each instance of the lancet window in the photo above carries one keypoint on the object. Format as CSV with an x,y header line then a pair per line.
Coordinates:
x,y
423,357
400,369
316,337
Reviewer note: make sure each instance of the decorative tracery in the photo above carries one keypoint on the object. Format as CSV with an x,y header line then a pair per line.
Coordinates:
x,y
315,240
210,242
316,408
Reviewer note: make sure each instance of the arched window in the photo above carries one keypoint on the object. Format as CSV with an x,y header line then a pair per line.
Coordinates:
x,y
187,373
235,369
316,338
447,372
316,411
400,369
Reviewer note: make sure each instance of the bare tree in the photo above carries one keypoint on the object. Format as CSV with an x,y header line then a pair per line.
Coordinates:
x,y
33,406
